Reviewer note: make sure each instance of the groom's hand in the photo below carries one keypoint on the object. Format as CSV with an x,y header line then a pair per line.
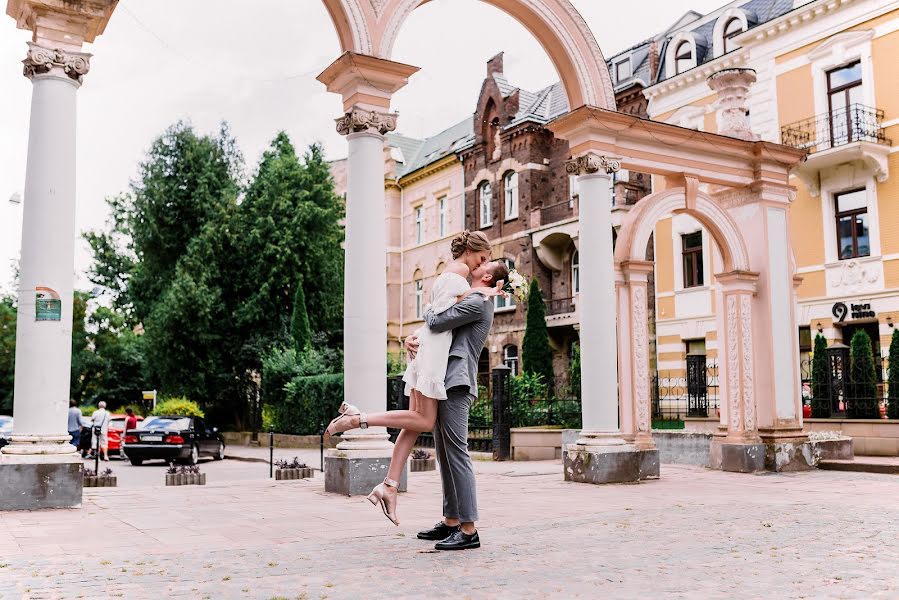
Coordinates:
x,y
412,346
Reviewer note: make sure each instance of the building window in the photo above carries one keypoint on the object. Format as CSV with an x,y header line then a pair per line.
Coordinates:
x,y
510,358
683,57
695,347
851,210
419,224
498,301
573,189
419,298
844,88
485,193
623,70
441,211
510,185
733,28
692,254
576,271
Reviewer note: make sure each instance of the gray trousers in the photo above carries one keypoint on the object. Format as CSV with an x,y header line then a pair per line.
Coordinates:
x,y
451,445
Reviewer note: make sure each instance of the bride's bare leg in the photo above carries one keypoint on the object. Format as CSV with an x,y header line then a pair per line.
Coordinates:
x,y
421,418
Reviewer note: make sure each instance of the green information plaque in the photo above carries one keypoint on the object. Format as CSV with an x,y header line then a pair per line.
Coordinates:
x,y
47,309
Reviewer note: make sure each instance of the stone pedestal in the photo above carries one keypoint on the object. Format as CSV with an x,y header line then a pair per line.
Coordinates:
x,y
34,482
737,457
790,455
624,463
356,472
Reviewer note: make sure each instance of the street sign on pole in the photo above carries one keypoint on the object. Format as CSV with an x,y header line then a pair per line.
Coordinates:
x,y
150,396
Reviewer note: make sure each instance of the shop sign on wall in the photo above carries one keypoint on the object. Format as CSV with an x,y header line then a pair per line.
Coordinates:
x,y
853,311
47,305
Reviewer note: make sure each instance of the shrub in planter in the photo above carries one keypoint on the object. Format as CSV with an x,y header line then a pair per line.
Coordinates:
x,y
104,479
422,461
863,401
186,475
820,392
288,471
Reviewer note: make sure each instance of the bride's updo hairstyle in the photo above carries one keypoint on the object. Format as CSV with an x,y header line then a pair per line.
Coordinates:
x,y
475,241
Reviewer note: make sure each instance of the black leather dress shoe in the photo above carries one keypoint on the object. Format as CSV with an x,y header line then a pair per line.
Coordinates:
x,y
440,531
459,540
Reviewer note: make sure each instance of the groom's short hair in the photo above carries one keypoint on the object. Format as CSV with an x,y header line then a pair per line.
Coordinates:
x,y
498,270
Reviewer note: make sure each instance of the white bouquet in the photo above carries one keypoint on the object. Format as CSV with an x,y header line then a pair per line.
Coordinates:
x,y
517,285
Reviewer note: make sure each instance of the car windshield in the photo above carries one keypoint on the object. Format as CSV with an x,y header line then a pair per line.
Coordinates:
x,y
178,423
117,424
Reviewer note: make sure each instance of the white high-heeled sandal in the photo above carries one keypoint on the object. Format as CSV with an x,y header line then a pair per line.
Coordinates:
x,y
387,501
347,411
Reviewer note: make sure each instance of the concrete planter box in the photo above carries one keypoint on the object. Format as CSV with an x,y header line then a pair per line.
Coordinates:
x,y
417,465
536,443
100,481
293,474
185,479
840,449
870,437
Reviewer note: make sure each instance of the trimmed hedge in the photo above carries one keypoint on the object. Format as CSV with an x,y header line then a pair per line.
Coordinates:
x,y
179,406
308,403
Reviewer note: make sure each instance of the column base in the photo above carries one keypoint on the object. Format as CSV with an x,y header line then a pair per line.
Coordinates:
x,y
737,457
788,448
356,472
621,463
30,482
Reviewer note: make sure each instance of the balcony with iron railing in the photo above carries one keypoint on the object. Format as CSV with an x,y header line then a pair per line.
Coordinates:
x,y
854,133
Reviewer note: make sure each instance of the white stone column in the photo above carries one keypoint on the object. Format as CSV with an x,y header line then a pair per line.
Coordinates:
x,y
44,341
365,291
599,348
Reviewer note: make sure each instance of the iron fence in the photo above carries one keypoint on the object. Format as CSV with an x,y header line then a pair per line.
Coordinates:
x,y
853,123
837,396
694,393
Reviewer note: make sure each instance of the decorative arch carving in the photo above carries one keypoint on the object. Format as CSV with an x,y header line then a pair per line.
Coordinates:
x,y
640,223
372,27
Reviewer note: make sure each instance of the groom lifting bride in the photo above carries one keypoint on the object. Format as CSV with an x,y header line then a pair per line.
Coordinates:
x,y
441,382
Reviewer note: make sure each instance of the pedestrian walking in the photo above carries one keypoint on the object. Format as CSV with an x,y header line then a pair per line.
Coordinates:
x,y
100,443
74,427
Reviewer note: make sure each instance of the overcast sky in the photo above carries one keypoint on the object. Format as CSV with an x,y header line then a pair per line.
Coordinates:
x,y
253,63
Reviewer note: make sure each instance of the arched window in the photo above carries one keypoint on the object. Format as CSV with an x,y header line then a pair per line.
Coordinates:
x,y
510,191
485,194
419,298
499,302
510,358
683,56
733,28
576,272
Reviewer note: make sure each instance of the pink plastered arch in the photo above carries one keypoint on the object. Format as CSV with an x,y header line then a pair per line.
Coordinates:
x,y
372,26
641,221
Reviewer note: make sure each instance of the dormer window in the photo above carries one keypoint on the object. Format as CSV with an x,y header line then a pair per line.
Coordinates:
x,y
684,57
623,70
733,28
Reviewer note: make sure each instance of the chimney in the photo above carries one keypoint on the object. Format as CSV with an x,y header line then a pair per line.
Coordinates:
x,y
495,65
653,61
733,86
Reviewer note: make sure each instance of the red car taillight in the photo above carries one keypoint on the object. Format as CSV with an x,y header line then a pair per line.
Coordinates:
x,y
130,439
174,439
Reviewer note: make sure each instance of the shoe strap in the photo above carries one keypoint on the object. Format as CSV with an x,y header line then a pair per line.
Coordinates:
x,y
391,482
363,421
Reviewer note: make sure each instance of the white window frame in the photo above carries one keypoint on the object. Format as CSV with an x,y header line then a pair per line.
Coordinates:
x,y
510,193
630,73
671,53
574,189
721,23
575,273
838,181
515,360
839,51
441,212
485,204
419,298
419,224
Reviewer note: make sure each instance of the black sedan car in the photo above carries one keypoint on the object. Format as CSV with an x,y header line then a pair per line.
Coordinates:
x,y
173,438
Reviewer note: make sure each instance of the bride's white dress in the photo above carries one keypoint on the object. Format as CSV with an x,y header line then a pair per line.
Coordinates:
x,y
427,371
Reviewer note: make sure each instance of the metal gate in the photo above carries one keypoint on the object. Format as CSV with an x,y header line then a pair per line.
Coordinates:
x,y
697,386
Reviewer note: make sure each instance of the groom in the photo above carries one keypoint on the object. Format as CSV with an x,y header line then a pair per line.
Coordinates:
x,y
470,321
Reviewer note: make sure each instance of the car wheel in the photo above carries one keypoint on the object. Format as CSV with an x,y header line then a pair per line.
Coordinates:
x,y
194,455
220,455
137,461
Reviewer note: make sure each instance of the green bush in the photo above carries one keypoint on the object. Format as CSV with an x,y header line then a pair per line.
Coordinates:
x,y
863,402
282,365
309,402
87,411
178,406
893,377
820,387
574,372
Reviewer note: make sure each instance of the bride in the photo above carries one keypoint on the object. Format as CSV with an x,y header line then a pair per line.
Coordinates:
x,y
425,375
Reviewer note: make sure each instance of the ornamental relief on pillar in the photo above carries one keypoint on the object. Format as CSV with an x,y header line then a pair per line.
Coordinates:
x,y
358,121
733,365
591,163
746,330
42,60
640,352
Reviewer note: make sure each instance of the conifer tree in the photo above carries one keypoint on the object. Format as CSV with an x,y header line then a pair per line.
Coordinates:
x,y
820,380
862,393
537,356
893,378
299,320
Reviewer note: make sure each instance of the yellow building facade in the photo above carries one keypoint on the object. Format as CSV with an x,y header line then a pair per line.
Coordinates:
x,y
828,82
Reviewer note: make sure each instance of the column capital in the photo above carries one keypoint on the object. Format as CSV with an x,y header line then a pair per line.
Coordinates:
x,y
41,61
366,121
590,164
365,82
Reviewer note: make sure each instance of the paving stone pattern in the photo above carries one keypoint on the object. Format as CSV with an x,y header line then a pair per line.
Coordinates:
x,y
694,533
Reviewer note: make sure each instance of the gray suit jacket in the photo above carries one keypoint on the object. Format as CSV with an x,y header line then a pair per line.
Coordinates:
x,y
470,321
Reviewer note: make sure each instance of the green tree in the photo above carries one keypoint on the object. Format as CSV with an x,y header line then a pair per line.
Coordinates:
x,y
574,371
537,356
84,363
7,352
862,395
820,380
893,377
299,321
119,366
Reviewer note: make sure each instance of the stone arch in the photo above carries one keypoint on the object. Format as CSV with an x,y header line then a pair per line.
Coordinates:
x,y
372,26
641,220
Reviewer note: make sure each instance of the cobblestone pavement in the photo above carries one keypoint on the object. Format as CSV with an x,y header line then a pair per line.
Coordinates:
x,y
693,534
